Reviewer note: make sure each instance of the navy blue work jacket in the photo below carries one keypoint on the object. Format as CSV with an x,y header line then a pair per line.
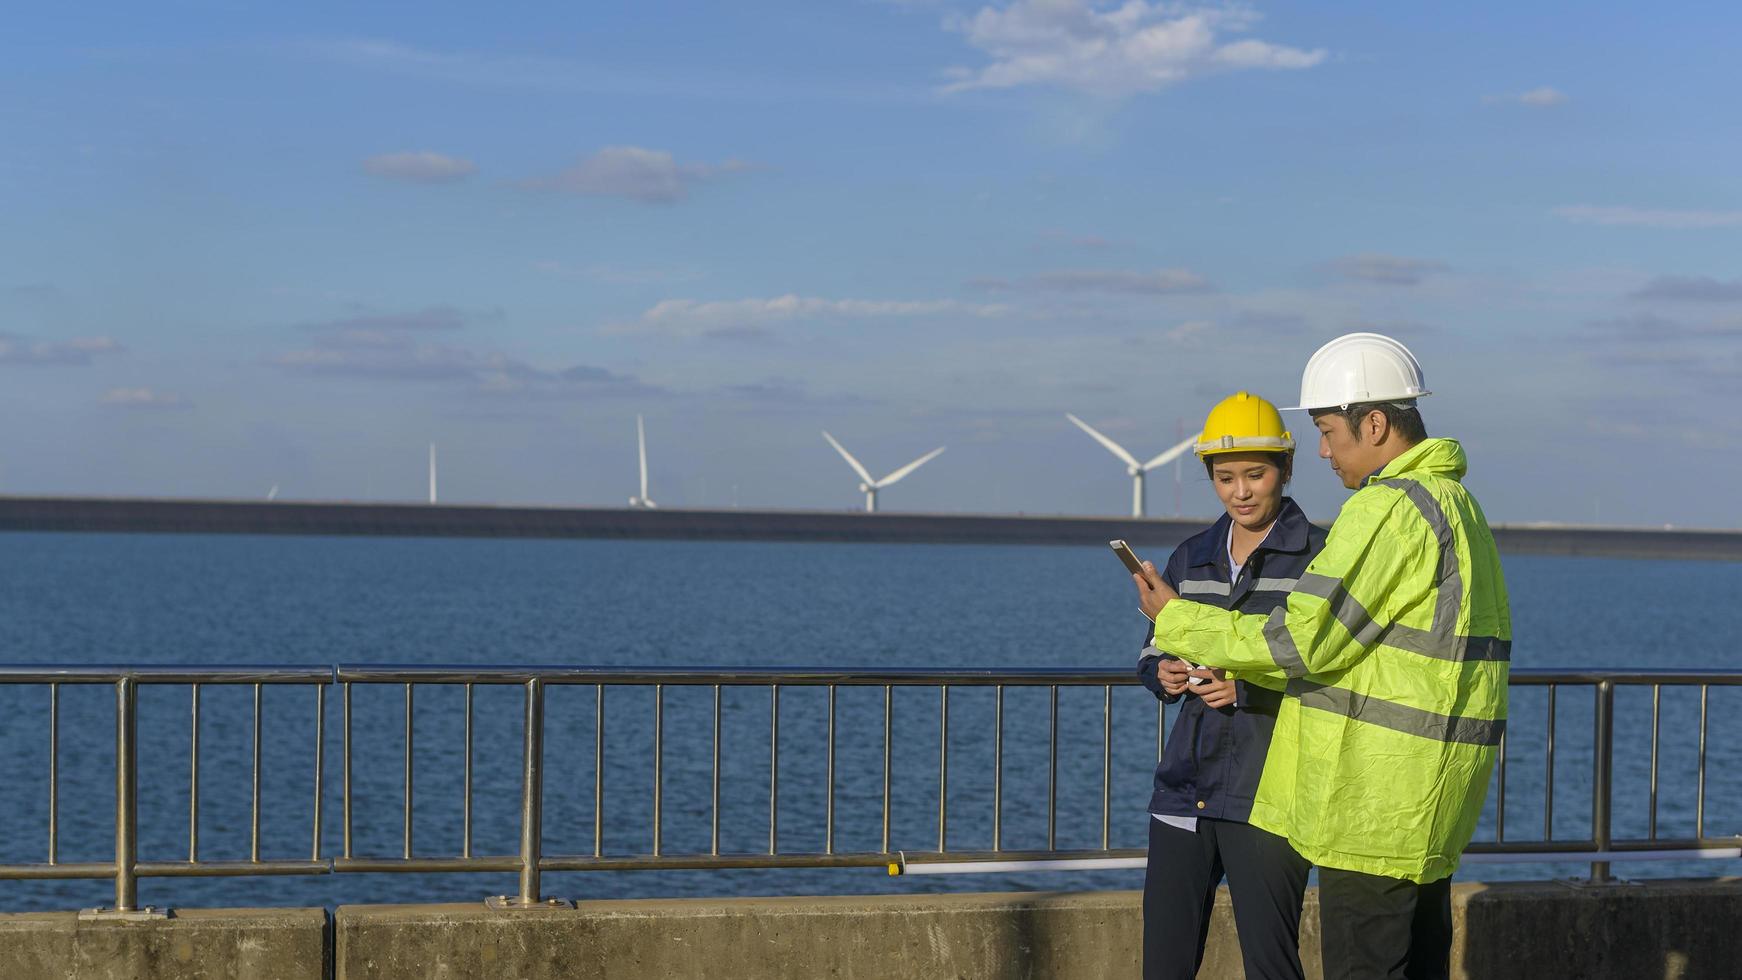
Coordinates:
x,y
1214,756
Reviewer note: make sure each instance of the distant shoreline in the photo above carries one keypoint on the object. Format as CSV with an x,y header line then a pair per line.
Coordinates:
x,y
169,516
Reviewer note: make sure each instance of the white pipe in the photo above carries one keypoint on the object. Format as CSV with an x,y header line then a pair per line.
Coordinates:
x,y
1121,864
1584,857
993,867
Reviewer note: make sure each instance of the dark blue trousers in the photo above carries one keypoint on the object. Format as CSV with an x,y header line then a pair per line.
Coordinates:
x,y
1266,880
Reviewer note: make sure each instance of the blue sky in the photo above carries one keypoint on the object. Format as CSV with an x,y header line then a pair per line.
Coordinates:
x,y
253,244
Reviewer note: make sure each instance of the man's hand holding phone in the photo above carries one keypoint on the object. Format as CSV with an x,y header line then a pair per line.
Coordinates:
x,y
1152,592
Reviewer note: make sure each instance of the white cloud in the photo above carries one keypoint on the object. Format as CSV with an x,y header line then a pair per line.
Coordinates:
x,y
688,317
421,167
1589,214
78,352
391,357
633,172
147,398
426,319
1158,282
1389,270
1536,98
1696,289
1189,333
1058,237
617,275
1113,51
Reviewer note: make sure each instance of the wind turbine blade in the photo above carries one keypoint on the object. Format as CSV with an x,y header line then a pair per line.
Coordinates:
x,y
909,468
1112,446
641,442
857,468
1171,454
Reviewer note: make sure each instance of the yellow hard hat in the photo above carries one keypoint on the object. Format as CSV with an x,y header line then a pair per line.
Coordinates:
x,y
1243,422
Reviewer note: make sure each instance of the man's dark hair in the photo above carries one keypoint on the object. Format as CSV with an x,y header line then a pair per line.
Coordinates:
x,y
1282,461
1403,417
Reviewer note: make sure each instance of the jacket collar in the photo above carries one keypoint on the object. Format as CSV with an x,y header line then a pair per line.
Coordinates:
x,y
1290,533
1429,457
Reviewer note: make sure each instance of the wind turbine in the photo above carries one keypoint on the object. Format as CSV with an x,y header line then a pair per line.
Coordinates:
x,y
1132,466
871,486
432,482
641,440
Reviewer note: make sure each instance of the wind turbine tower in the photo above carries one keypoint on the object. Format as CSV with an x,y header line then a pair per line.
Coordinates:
x,y
641,441
1132,466
432,482
870,486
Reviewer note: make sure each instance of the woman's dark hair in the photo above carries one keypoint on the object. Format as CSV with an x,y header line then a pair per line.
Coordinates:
x,y
1282,461
1403,417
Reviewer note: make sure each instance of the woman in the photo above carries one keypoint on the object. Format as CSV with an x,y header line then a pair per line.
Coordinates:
x,y
1248,560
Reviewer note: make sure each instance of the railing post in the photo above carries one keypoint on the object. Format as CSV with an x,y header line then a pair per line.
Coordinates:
x,y
126,796
126,807
1602,775
531,809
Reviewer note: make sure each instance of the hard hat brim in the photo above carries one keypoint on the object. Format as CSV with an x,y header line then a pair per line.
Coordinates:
x,y
1364,401
1245,444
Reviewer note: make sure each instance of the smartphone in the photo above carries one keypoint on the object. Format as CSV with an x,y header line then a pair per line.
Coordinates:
x,y
1126,555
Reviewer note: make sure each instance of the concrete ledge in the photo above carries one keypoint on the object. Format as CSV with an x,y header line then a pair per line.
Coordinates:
x,y
1677,930
196,944
1669,929
929,936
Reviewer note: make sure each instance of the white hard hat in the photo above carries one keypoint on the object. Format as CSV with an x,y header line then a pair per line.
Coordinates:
x,y
1358,368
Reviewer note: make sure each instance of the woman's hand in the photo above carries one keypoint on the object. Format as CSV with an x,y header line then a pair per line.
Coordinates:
x,y
1219,692
1172,674
1152,592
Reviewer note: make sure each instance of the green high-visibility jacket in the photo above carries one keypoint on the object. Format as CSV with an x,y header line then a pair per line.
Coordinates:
x,y
1393,649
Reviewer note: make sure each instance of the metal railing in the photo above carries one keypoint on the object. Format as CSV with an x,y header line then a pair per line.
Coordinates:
x,y
127,869
1601,846
530,860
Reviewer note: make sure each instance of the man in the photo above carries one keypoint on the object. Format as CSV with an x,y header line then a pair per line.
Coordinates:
x,y
1393,647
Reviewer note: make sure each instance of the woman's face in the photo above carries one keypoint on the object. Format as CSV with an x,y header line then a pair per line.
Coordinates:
x,y
1250,487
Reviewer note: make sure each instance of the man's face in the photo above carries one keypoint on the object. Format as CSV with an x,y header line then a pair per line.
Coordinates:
x,y
1354,453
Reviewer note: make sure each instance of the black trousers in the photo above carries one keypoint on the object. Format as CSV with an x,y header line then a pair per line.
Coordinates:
x,y
1377,928
1266,879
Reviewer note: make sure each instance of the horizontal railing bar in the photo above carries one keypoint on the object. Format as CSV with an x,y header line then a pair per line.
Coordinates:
x,y
872,677
509,862
162,674
1517,846
487,674
229,869
1580,857
82,869
1531,676
701,862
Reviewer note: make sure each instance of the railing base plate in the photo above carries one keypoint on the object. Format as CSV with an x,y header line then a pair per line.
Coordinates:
x,y
513,903
146,914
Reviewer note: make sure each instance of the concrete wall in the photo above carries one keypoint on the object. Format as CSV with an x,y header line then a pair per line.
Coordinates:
x,y
195,944
1535,930
1530,930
